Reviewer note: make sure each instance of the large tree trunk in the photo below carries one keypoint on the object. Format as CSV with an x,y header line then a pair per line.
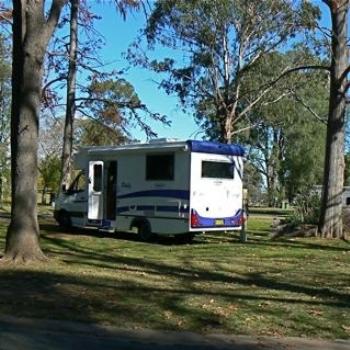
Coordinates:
x,y
2,122
31,32
1,192
331,223
67,148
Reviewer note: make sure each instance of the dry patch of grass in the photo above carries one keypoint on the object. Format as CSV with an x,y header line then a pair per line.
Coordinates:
x,y
299,287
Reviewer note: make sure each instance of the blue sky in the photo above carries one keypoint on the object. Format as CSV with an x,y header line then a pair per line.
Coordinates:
x,y
118,36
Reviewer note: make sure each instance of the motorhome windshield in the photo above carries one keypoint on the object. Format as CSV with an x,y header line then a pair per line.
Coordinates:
x,y
217,170
79,183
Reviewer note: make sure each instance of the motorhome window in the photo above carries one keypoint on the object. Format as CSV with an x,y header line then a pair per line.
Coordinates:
x,y
97,178
79,183
347,200
160,167
217,170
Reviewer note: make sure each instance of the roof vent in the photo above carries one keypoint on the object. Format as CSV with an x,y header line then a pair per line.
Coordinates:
x,y
163,140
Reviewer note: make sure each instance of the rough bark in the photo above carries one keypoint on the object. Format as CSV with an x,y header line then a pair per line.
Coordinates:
x,y
1,192
2,122
67,148
31,33
331,224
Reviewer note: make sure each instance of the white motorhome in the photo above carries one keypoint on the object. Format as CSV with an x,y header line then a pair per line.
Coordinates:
x,y
162,187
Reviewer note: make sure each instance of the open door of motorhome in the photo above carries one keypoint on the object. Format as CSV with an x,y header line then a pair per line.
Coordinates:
x,y
95,211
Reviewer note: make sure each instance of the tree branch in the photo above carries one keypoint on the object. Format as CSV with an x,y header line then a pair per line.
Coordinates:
x,y
130,105
246,128
53,17
308,108
277,98
269,85
60,78
344,76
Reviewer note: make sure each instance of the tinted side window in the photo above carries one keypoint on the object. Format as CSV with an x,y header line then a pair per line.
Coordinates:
x,y
160,167
217,170
97,178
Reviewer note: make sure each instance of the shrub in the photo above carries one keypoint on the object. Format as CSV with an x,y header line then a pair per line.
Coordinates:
x,y
307,207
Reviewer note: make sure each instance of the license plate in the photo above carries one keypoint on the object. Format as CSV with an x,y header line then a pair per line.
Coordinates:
x,y
219,222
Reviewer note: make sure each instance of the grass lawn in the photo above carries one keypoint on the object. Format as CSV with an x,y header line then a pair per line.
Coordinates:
x,y
270,211
299,287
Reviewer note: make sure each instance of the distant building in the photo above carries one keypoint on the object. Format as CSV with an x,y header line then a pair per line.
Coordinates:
x,y
346,194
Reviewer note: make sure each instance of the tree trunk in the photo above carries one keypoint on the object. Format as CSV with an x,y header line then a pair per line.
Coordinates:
x,y
67,148
31,32
1,192
3,126
43,195
331,223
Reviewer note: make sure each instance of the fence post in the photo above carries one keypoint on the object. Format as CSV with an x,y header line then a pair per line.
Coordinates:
x,y
243,234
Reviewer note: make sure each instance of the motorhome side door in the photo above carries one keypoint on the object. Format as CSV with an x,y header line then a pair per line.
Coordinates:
x,y
95,210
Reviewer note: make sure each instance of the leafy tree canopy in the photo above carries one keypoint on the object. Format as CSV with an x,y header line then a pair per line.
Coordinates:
x,y
115,104
221,42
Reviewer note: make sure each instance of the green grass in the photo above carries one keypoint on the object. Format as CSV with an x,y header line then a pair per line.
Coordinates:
x,y
270,211
299,287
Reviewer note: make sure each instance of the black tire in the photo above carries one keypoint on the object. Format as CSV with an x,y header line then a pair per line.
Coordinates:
x,y
64,220
145,232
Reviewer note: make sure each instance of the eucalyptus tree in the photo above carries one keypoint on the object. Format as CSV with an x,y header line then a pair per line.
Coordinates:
x,y
290,122
305,134
115,105
92,132
68,57
5,103
34,22
67,148
218,43
84,64
33,26
330,223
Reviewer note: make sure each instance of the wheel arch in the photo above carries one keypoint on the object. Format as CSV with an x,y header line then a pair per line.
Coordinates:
x,y
139,222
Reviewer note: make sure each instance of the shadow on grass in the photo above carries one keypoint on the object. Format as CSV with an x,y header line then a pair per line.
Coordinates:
x,y
89,232
128,303
329,296
78,298
254,238
299,243
117,297
133,237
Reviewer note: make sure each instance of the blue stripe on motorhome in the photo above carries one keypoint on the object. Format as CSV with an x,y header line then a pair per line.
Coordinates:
x,y
159,208
181,194
215,147
122,209
145,207
171,208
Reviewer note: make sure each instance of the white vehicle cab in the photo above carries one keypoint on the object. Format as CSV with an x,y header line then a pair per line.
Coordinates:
x,y
162,187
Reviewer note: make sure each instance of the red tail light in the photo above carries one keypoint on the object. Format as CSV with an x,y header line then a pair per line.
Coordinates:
x,y
242,219
194,219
